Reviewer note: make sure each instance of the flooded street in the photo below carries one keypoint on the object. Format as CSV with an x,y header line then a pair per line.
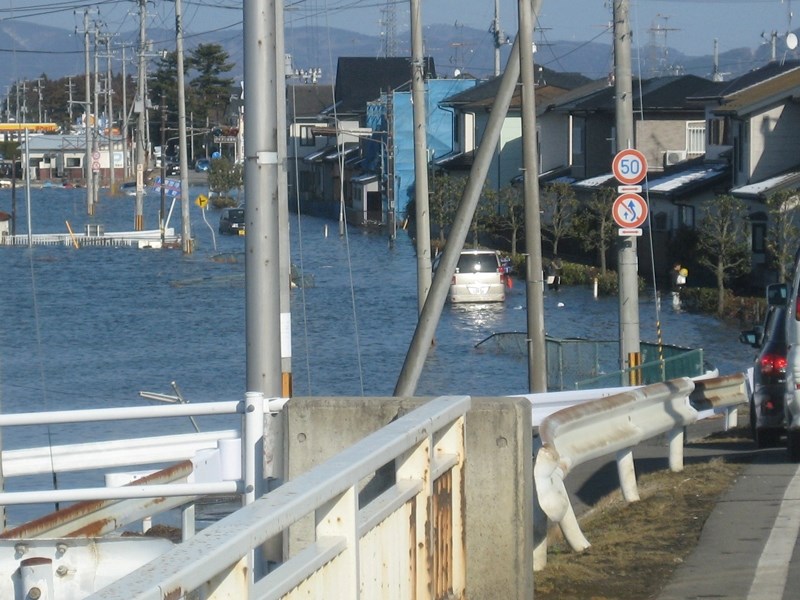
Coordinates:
x,y
91,327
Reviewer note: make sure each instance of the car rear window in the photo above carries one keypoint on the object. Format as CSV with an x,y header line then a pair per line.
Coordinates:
x,y
478,263
236,215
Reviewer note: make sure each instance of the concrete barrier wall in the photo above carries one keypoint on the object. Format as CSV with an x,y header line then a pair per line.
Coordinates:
x,y
499,477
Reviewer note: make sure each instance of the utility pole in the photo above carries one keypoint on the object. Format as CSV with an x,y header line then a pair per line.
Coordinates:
x,y
39,102
537,365
138,218
112,180
96,123
125,165
162,214
627,262
186,228
87,109
499,36
424,267
69,104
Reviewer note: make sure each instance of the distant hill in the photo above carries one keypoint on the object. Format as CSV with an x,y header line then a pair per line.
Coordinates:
x,y
29,51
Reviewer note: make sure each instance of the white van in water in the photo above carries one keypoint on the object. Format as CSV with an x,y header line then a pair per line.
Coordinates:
x,y
479,277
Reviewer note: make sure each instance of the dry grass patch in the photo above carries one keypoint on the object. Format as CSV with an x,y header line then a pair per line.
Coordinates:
x,y
636,547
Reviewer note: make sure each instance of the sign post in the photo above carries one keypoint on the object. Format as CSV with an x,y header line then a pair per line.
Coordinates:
x,y
630,212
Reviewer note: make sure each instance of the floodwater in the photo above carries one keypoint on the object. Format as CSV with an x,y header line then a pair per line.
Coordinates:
x,y
91,327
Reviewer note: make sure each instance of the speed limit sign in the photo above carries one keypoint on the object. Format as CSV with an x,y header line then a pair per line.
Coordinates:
x,y
629,166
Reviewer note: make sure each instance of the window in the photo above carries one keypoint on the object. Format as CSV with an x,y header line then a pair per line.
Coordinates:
x,y
695,138
73,162
660,221
758,232
686,216
718,132
307,135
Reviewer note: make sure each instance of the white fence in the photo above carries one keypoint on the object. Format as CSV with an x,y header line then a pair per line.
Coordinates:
x,y
406,543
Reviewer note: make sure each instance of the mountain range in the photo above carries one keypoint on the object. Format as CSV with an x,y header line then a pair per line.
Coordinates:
x,y
31,51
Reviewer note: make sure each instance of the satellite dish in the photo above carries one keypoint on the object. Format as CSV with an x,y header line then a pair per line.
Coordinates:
x,y
791,40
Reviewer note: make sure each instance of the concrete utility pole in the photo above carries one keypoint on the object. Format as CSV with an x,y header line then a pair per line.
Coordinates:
x,y
125,167
96,123
112,179
141,100
186,225
499,35
423,215
627,259
87,111
537,363
262,265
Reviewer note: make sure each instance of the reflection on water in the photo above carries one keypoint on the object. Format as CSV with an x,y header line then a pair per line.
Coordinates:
x,y
92,327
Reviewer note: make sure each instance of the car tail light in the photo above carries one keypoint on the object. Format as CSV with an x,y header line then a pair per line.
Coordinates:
x,y
773,364
797,309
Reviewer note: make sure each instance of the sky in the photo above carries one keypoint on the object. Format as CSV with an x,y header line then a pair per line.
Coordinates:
x,y
690,26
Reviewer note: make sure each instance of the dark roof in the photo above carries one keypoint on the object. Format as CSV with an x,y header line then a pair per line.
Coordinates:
x,y
759,95
657,94
309,100
754,77
360,80
483,94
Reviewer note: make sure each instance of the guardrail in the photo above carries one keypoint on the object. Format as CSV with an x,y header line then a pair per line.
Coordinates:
x,y
406,543
616,424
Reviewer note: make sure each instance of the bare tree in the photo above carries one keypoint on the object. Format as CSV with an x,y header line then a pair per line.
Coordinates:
x,y
594,226
559,203
783,235
723,242
510,215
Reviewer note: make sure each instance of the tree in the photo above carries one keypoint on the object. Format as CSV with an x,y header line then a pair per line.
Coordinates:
x,y
224,176
163,88
210,92
559,203
723,242
510,215
443,199
783,236
595,225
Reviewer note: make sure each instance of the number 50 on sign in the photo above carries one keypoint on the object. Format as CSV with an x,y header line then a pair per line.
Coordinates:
x,y
629,166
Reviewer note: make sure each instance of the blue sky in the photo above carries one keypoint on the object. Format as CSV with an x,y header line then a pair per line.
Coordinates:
x,y
688,25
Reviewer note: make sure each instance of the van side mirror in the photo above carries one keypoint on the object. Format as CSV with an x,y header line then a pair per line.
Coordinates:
x,y
777,294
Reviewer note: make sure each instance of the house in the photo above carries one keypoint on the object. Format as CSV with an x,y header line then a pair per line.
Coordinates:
x,y
668,128
304,106
391,118
752,124
62,156
335,167
472,108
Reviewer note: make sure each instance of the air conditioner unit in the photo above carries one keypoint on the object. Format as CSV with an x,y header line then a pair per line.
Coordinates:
x,y
672,157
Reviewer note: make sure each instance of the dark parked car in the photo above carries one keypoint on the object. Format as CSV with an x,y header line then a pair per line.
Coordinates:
x,y
769,377
231,221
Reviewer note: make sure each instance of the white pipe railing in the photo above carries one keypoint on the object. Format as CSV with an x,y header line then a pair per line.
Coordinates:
x,y
411,527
